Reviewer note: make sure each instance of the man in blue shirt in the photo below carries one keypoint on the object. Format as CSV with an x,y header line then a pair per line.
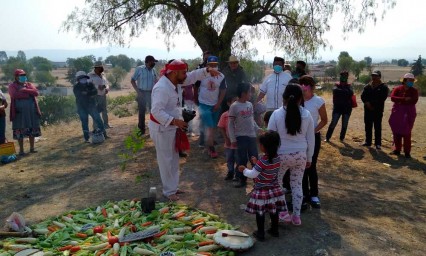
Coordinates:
x,y
143,81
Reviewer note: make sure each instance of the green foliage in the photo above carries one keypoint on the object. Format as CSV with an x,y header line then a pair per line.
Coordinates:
x,y
115,77
255,70
364,79
368,60
421,84
13,63
41,64
122,106
21,56
358,67
44,77
345,62
402,62
121,61
79,64
133,144
57,109
331,72
417,67
3,57
225,26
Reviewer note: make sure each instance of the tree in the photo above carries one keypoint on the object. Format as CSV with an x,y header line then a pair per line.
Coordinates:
x,y
402,62
331,72
115,76
3,57
13,63
417,67
79,64
224,26
345,61
358,67
21,56
121,61
394,62
44,77
41,64
368,60
254,70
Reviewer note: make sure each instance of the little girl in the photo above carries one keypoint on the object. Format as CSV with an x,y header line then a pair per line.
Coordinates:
x,y
267,196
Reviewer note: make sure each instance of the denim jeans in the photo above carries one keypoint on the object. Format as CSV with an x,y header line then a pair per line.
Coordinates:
x,y
101,102
373,118
310,176
246,148
231,160
83,113
144,103
2,129
335,119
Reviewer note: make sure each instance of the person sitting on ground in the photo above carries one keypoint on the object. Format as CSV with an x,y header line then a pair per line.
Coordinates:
x,y
242,129
267,195
24,111
3,106
403,115
230,151
85,93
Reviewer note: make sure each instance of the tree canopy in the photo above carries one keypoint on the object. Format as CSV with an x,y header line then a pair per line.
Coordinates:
x,y
224,26
417,67
79,64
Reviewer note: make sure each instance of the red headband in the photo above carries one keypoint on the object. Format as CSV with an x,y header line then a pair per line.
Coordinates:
x,y
176,67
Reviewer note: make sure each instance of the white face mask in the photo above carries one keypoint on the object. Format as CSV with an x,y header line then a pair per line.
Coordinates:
x,y
216,69
83,80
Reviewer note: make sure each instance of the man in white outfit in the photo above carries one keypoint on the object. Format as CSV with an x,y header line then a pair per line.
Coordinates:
x,y
166,117
274,85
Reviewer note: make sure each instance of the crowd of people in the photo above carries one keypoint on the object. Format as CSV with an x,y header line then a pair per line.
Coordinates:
x,y
284,120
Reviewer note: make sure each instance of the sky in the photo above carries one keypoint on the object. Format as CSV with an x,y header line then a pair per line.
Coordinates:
x,y
35,24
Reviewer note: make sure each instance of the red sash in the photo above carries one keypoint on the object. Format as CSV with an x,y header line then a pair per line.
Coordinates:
x,y
181,142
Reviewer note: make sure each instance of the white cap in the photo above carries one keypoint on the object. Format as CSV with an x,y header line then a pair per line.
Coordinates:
x,y
408,76
81,74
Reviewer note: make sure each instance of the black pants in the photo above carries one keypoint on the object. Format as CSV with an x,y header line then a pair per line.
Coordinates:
x,y
373,118
310,177
260,221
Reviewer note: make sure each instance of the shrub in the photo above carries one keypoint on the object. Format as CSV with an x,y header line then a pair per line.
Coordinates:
x,y
421,85
57,109
364,79
122,106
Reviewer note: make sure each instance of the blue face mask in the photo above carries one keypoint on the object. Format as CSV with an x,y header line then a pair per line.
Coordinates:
x,y
83,80
22,79
278,69
409,84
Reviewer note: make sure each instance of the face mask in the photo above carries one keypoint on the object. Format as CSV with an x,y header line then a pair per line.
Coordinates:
x,y
22,79
278,69
216,69
83,81
306,88
343,79
409,84
299,70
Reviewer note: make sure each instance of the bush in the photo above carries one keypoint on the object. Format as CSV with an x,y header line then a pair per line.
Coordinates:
x,y
364,79
421,85
122,106
57,109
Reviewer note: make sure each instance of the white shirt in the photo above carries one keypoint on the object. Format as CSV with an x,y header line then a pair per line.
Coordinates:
x,y
301,142
273,87
210,88
165,101
313,105
98,81
2,97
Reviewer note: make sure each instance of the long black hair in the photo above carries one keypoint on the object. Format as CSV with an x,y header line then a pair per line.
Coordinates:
x,y
293,97
270,141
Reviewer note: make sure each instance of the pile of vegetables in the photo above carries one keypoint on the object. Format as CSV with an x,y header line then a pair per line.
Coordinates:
x,y
98,231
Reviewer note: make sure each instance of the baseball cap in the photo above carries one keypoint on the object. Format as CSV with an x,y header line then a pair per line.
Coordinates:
x,y
150,58
212,59
81,74
19,72
376,73
98,64
232,58
279,59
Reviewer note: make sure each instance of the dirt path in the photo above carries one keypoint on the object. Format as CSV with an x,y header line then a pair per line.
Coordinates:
x,y
373,203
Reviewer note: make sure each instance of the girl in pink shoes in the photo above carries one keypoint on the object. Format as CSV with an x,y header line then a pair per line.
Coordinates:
x,y
267,195
295,126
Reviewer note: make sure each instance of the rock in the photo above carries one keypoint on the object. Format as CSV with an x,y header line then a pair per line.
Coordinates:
x,y
321,252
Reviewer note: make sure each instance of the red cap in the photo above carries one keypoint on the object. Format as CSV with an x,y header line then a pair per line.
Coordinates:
x,y
19,72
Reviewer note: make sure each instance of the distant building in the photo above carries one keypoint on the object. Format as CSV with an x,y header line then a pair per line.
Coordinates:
x,y
59,64
319,70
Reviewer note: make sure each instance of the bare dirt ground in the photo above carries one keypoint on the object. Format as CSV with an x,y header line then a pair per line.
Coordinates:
x,y
372,203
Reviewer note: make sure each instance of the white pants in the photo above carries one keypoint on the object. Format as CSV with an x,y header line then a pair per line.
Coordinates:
x,y
167,157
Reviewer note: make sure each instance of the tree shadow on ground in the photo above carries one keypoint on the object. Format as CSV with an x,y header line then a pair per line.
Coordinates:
x,y
397,162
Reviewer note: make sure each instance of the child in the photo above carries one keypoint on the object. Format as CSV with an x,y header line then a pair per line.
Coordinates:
x,y
267,195
230,151
3,106
266,118
242,129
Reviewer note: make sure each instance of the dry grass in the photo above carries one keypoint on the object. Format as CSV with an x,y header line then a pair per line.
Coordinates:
x,y
373,203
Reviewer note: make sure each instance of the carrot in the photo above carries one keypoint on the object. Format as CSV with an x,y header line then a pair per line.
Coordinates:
x,y
81,235
161,233
210,232
146,223
206,243
61,249
197,228
75,249
104,212
204,253
128,223
197,221
52,228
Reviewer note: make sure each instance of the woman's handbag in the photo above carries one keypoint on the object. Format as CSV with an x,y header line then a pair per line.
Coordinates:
x,y
354,103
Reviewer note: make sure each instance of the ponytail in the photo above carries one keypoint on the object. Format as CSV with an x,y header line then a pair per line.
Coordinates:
x,y
292,99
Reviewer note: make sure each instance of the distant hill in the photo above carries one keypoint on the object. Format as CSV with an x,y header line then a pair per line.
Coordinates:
x,y
60,55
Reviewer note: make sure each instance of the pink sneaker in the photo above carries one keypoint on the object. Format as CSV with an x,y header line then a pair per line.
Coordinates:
x,y
296,220
285,217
